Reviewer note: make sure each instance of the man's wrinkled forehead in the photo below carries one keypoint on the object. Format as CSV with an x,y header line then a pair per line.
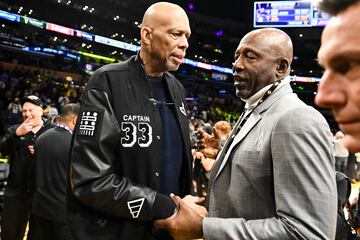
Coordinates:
x,y
256,41
270,41
248,39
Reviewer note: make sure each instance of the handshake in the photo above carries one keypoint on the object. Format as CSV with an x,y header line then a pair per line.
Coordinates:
x,y
186,222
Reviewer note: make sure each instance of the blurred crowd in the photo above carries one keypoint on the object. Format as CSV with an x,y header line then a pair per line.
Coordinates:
x,y
206,109
20,82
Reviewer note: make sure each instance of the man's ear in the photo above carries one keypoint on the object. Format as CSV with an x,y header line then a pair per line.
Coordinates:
x,y
282,68
74,120
146,35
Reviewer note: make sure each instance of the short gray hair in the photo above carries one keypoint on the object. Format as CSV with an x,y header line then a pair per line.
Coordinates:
x,y
71,109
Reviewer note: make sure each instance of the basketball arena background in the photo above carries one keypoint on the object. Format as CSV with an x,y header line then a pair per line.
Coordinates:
x,y
51,47
64,41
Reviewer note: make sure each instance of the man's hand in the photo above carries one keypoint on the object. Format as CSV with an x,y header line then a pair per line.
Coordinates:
x,y
185,223
194,202
25,127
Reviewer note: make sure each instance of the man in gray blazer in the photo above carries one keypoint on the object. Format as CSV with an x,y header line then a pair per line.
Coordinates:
x,y
274,178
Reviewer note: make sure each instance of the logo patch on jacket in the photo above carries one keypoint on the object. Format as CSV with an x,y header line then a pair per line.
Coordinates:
x,y
182,109
135,207
89,123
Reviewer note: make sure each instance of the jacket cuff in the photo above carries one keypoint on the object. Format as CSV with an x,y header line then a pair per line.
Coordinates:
x,y
164,206
210,227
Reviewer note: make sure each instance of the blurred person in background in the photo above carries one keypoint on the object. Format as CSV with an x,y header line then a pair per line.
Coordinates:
x,y
18,144
200,181
339,54
220,134
52,110
52,153
341,153
63,99
14,112
223,130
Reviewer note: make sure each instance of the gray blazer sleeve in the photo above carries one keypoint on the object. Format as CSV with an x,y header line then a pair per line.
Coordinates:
x,y
304,184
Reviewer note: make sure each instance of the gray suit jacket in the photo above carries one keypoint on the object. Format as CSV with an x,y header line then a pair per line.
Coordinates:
x,y
276,180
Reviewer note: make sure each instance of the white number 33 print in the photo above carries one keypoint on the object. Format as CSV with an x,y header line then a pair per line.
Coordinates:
x,y
142,133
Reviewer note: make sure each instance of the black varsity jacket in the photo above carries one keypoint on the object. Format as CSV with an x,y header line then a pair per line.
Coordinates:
x,y
116,154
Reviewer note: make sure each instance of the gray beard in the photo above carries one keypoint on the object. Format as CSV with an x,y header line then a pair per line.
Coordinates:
x,y
171,67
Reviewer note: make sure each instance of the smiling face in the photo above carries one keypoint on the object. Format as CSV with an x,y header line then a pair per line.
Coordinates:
x,y
260,60
339,88
165,34
32,111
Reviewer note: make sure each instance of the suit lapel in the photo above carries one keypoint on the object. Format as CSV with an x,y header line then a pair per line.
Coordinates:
x,y
249,125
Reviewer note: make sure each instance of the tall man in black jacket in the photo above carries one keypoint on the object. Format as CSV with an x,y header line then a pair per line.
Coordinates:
x,y
52,153
18,144
131,145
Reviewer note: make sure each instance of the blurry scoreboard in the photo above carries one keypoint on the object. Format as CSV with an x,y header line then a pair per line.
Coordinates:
x,y
288,14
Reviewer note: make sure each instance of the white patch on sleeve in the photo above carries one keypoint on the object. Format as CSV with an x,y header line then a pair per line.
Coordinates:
x,y
88,123
135,207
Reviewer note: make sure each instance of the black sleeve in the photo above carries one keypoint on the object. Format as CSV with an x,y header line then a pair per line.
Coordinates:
x,y
92,175
7,141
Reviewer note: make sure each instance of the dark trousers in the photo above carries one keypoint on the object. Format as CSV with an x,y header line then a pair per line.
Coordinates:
x,y
15,215
51,230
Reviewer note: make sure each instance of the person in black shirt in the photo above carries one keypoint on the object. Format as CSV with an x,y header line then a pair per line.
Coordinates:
x,y
52,152
18,144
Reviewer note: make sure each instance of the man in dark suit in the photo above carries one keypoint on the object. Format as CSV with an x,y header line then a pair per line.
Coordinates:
x,y
274,178
52,152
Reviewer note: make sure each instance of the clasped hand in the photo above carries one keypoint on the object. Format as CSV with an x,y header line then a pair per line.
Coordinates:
x,y
186,222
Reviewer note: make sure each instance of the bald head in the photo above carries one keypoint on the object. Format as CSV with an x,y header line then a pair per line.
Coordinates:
x,y
272,40
164,32
262,58
159,13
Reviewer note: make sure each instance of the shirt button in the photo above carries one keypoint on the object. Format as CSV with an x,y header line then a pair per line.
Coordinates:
x,y
158,137
156,174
